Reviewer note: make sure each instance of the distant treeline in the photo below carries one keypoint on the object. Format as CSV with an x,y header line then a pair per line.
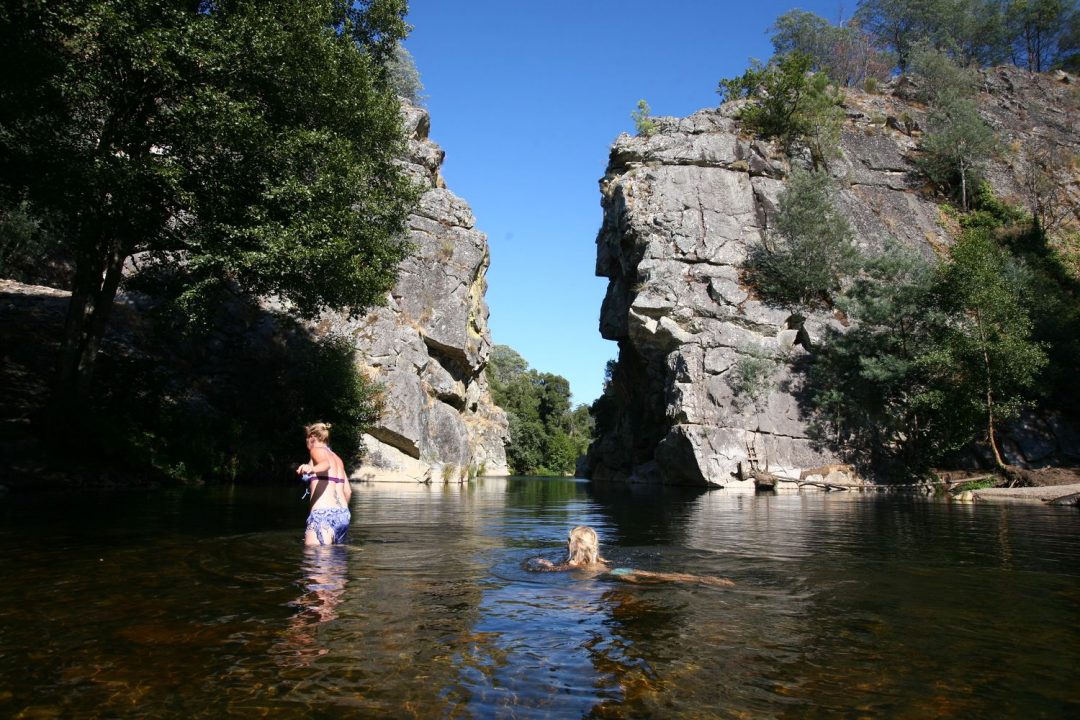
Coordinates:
x,y
546,435
881,36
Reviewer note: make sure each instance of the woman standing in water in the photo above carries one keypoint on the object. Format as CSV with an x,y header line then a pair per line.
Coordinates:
x,y
328,522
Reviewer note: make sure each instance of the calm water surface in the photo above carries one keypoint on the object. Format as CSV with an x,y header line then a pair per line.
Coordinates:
x,y
204,603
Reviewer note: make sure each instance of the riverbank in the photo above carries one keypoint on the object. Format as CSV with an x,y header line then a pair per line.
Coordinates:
x,y
142,371
170,404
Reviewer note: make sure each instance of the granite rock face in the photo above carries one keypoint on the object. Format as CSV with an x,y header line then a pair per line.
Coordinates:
x,y
682,209
428,346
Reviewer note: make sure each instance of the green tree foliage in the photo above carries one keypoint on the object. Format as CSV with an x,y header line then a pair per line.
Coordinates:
x,y
987,363
937,355
1036,34
844,53
644,125
972,31
404,77
604,408
254,149
958,142
810,251
751,377
1069,45
870,395
546,436
26,242
940,78
1042,33
789,102
239,417
1050,291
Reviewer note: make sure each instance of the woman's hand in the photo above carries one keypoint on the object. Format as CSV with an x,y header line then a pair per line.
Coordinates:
x,y
305,468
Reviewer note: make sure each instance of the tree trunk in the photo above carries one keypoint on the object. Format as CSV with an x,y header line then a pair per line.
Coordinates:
x,y
963,185
991,432
99,269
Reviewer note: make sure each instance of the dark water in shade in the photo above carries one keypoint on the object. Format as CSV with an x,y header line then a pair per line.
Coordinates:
x,y
203,603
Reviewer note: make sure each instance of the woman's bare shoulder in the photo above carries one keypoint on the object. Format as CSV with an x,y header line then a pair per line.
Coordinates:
x,y
544,565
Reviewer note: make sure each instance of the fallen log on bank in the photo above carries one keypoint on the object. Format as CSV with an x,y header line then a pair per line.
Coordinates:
x,y
1073,499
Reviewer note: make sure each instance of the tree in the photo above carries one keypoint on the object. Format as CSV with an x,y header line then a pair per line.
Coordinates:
x,y
811,250
806,33
546,437
868,396
941,78
790,103
844,53
985,362
898,23
246,151
958,142
935,356
404,77
553,393
956,147
643,121
1044,167
971,31
505,365
1040,31
1069,45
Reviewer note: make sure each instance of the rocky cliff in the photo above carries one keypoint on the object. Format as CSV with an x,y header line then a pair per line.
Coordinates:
x,y
683,207
428,347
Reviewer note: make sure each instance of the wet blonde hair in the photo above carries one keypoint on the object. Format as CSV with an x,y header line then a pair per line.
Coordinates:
x,y
319,431
582,546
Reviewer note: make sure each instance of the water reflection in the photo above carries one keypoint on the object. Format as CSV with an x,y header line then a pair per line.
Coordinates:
x,y
206,604
323,582
646,514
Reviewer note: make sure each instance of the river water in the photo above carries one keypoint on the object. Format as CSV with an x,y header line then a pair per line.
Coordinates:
x,y
202,602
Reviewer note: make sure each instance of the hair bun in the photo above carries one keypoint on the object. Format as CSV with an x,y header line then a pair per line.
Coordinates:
x,y
327,425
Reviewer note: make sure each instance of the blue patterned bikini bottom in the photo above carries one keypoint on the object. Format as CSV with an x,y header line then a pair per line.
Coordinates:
x,y
330,525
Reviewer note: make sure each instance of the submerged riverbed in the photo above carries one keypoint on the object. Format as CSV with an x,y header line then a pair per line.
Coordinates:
x,y
203,603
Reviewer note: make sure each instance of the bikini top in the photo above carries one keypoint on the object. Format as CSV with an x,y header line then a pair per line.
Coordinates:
x,y
313,476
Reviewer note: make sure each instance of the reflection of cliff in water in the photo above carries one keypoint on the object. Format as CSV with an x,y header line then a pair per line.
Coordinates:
x,y
647,514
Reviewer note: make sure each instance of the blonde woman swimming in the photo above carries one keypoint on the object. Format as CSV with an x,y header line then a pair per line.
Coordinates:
x,y
583,553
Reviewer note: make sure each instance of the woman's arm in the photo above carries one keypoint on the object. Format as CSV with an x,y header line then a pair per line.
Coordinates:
x,y
648,576
320,462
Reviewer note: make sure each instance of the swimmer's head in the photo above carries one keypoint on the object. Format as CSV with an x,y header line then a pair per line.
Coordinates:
x,y
319,431
582,546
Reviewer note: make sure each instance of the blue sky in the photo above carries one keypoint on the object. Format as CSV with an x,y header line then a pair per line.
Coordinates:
x,y
526,99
